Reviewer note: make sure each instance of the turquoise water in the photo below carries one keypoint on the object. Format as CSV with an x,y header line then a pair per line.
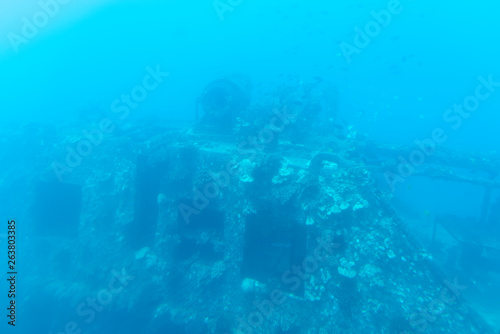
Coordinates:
x,y
114,111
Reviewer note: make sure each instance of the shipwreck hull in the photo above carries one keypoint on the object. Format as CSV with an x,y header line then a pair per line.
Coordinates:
x,y
217,236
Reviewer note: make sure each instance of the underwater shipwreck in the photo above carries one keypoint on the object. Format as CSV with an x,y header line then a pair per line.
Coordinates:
x,y
263,217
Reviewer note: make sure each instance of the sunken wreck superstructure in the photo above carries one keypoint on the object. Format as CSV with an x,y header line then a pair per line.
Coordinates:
x,y
277,224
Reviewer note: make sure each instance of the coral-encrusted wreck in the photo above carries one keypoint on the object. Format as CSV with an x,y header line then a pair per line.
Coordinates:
x,y
257,231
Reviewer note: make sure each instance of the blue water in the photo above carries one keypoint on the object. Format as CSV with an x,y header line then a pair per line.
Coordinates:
x,y
127,77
